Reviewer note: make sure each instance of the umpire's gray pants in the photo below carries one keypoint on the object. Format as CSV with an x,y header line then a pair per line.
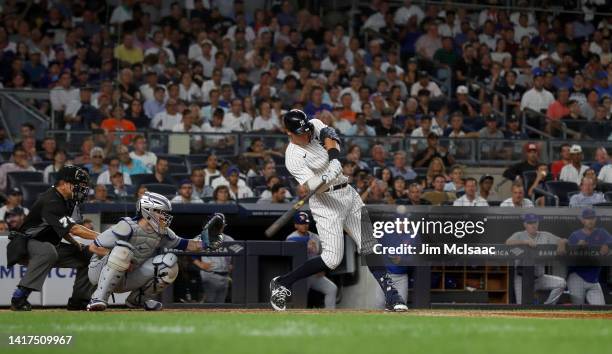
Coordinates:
x,y
326,287
42,256
580,290
545,282
215,287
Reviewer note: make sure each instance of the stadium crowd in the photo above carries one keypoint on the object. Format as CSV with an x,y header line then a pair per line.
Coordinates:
x,y
408,73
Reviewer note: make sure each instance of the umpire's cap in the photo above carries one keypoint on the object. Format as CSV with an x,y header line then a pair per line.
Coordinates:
x,y
297,122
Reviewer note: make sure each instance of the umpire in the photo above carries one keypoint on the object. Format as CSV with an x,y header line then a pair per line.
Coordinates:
x,y
39,240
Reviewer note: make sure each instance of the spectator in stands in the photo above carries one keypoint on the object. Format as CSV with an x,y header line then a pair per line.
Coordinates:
x,y
156,104
436,167
518,199
197,181
277,194
120,189
237,190
216,126
485,189
353,154
5,144
385,126
160,173
113,167
430,42
61,95
491,150
470,198
425,83
118,125
168,118
599,128
126,52
85,156
379,156
415,195
211,171
565,159
100,194
140,152
398,190
434,150
96,166
187,125
266,120
128,164
20,163
81,114
574,171
271,182
587,196
136,115
456,183
59,160
185,194
529,164
438,196
537,98
418,136
236,119
511,90
49,146
14,218
542,176
400,167
221,195
375,193
601,159
14,199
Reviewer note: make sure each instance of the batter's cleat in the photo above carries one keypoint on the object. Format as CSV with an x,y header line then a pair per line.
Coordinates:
x,y
76,304
393,300
96,305
278,295
20,304
396,307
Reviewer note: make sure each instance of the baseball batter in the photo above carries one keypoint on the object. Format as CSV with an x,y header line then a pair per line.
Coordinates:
x,y
126,255
312,159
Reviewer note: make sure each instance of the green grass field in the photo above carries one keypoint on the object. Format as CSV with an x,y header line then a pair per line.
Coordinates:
x,y
252,332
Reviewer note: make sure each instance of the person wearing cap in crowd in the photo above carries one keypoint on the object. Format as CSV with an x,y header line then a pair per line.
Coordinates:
x,y
385,126
462,104
574,171
537,98
513,132
517,200
587,196
529,164
471,197
532,237
319,281
424,157
424,83
491,149
185,194
14,218
13,200
20,163
237,190
583,281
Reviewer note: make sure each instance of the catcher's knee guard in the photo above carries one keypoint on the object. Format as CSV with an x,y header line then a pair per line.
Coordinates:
x,y
166,271
113,272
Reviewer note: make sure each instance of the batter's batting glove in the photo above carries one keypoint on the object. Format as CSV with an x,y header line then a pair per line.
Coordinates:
x,y
333,170
212,232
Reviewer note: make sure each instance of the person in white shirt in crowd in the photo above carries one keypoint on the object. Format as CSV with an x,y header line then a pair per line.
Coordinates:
x,y
63,93
185,194
147,90
404,13
425,83
470,198
148,158
187,126
14,198
266,120
216,126
430,42
168,118
211,171
574,171
158,40
188,90
418,141
267,194
518,199
537,98
113,168
59,160
213,84
523,28
198,178
236,119
206,57
376,21
277,195
287,69
587,196
120,189
237,190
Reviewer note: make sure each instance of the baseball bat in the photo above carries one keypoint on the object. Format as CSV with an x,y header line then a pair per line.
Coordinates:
x,y
284,219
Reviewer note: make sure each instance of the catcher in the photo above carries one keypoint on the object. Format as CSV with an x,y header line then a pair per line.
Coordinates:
x,y
126,256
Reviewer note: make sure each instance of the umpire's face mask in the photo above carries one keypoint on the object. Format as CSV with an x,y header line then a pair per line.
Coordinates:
x,y
80,192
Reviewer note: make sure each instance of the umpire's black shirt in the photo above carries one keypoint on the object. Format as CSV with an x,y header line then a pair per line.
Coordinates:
x,y
50,219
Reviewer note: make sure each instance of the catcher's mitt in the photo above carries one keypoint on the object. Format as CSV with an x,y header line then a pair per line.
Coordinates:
x,y
212,232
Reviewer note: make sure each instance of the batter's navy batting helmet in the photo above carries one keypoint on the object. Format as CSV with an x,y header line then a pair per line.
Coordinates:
x,y
297,122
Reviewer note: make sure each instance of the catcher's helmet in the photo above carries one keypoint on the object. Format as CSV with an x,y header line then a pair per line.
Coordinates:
x,y
79,178
297,122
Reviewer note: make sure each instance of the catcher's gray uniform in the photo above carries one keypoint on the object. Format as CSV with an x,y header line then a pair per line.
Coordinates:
x,y
542,281
151,272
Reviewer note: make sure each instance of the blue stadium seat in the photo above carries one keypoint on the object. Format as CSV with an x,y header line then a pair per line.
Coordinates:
x,y
138,178
31,190
168,190
255,181
16,179
561,189
177,168
173,159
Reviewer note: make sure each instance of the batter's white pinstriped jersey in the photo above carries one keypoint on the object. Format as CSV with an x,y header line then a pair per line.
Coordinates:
x,y
333,211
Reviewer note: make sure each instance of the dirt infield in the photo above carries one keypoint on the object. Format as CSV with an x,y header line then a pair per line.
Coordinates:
x,y
551,314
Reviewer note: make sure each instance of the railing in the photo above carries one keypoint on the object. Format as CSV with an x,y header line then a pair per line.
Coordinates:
x,y
16,111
